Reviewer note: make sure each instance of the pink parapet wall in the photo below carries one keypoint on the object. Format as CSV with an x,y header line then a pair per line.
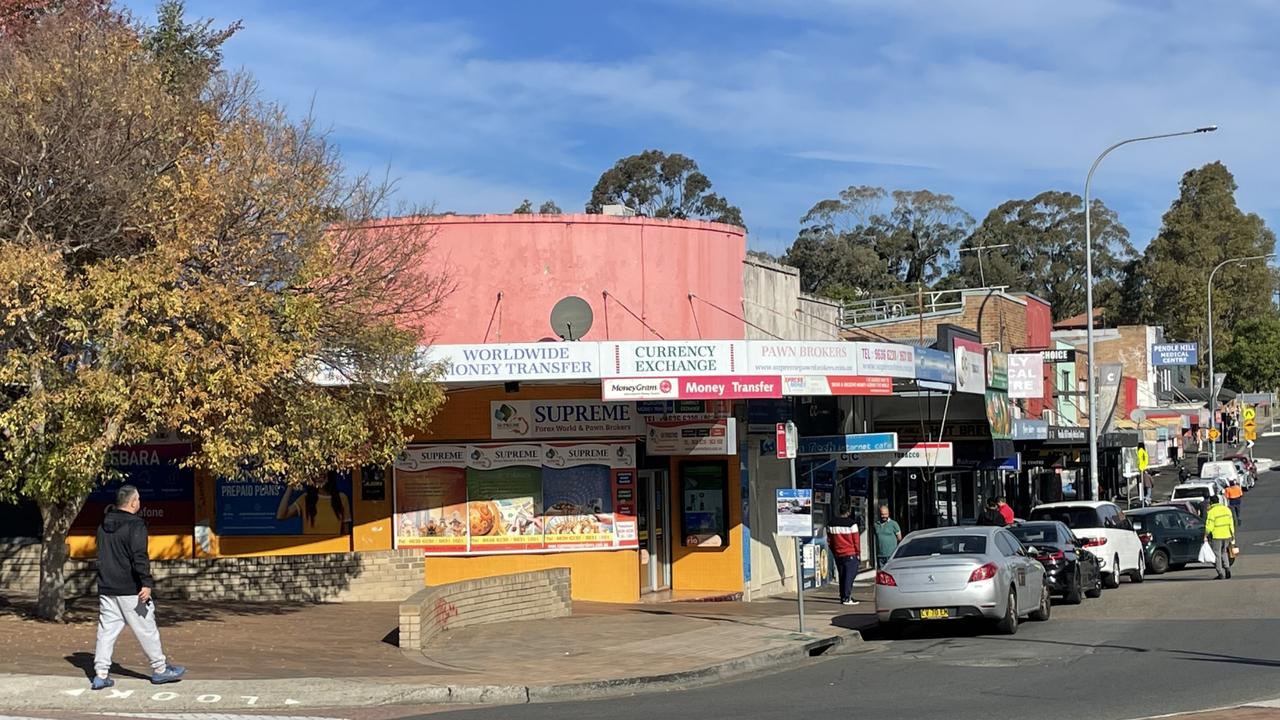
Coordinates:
x,y
648,267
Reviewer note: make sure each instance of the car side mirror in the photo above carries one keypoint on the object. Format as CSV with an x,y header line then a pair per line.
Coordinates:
x,y
1032,550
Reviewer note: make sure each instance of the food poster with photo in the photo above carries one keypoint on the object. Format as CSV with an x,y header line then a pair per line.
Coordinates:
x,y
431,499
504,492
578,492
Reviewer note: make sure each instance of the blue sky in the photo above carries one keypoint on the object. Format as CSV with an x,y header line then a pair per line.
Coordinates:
x,y
476,105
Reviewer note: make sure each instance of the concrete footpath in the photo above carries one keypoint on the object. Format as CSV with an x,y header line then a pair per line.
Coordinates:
x,y
243,657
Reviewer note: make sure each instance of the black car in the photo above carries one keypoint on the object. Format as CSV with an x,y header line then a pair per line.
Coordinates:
x,y
1070,570
1170,537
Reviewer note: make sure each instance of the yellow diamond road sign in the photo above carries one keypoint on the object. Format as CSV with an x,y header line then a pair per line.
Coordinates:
x,y
1214,434
1249,414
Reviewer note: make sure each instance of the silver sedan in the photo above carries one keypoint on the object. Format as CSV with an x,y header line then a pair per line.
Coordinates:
x,y
961,572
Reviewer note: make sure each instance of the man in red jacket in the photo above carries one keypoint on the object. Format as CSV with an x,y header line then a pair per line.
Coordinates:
x,y
845,544
1006,512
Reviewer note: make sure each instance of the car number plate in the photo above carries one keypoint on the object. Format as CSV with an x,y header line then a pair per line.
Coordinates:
x,y
935,614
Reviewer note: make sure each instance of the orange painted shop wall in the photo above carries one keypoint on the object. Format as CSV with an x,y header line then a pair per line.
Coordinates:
x,y
608,576
236,545
715,569
465,415
372,528
159,547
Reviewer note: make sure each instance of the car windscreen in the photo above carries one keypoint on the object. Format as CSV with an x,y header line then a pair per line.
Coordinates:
x,y
1073,517
1193,493
1036,535
943,545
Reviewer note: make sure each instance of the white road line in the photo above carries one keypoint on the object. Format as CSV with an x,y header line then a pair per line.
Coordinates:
x,y
201,716
20,717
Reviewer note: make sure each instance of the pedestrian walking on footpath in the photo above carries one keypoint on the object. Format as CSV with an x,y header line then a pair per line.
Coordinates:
x,y
1235,499
125,589
888,535
846,546
1220,532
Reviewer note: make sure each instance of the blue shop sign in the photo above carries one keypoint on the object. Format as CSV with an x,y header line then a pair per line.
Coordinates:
x,y
860,443
1172,354
935,365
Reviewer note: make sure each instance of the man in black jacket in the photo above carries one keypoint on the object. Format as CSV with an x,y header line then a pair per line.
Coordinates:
x,y
124,591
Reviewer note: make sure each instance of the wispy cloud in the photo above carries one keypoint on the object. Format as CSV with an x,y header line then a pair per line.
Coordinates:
x,y
477,105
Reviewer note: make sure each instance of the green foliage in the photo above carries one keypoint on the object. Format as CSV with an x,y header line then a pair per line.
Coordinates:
x,y
1202,228
1253,362
656,184
1045,253
549,208
191,262
852,246
188,52
526,208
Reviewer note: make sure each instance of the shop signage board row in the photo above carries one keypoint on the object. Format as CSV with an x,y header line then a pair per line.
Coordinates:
x,y
881,442
516,497
971,367
665,360
1026,375
926,454
741,387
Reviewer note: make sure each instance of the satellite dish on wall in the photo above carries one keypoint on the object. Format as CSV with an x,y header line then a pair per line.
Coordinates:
x,y
571,318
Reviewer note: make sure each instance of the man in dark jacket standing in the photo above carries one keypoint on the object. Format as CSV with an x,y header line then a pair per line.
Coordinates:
x,y
124,591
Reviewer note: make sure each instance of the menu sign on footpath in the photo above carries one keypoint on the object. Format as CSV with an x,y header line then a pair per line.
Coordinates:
x,y
788,357
519,361
672,359
889,359
516,419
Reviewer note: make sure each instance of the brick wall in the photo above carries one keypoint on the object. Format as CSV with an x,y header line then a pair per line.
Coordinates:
x,y
341,577
996,317
502,598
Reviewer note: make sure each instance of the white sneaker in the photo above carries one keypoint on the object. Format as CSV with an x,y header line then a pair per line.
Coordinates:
x,y
849,602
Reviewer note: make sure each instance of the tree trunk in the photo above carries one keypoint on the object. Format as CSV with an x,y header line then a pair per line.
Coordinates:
x,y
56,523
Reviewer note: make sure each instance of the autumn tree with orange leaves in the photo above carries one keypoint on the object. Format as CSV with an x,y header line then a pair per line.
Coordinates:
x,y
176,255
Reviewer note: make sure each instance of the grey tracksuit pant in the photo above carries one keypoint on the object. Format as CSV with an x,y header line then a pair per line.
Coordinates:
x,y
1221,561
116,611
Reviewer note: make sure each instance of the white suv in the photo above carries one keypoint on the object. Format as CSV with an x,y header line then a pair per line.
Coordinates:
x,y
1106,532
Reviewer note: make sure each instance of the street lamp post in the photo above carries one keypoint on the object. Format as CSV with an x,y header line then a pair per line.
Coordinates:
x,y
1088,296
1213,384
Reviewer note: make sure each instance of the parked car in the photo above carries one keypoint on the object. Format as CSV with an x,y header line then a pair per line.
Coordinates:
x,y
1223,471
1247,468
1106,533
1070,570
961,572
1191,507
1199,492
1170,537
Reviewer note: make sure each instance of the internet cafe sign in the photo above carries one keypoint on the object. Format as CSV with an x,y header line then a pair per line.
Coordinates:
x,y
516,419
925,454
517,361
672,358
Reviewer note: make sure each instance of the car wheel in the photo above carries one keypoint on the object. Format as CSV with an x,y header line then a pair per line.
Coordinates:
x,y
1111,580
1041,613
1140,574
1159,562
1075,594
1096,591
1008,624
